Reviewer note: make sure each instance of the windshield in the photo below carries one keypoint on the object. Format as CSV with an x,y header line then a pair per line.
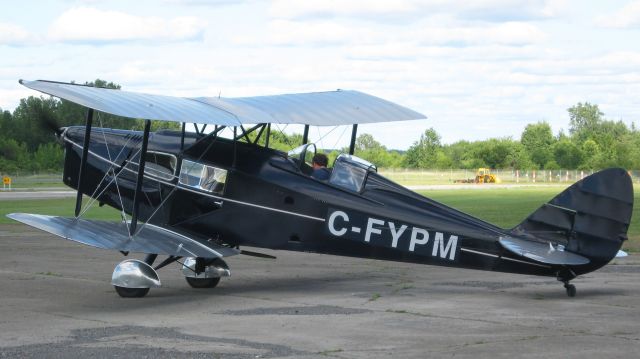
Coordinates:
x,y
350,172
303,154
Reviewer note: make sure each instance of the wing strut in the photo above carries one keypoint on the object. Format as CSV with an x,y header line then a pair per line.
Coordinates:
x,y
143,152
352,145
266,140
83,159
305,136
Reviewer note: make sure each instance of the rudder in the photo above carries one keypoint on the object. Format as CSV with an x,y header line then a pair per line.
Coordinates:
x,y
590,218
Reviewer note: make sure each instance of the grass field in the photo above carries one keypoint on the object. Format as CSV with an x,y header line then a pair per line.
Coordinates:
x,y
54,207
505,207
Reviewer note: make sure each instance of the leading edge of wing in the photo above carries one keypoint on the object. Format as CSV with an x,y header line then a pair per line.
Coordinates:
x,y
114,236
330,108
135,104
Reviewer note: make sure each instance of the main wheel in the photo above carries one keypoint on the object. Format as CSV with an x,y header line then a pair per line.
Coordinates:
x,y
131,292
571,290
202,282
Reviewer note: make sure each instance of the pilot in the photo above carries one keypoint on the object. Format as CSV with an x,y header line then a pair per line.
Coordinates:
x,y
320,170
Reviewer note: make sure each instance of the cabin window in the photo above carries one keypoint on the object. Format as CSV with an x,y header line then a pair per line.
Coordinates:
x,y
161,165
203,177
350,172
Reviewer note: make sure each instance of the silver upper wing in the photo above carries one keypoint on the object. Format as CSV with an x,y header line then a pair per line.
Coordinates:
x,y
329,108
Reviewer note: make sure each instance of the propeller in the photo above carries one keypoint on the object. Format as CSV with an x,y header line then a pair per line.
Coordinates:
x,y
49,123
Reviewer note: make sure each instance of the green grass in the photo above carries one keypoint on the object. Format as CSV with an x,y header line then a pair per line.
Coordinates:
x,y
54,207
506,207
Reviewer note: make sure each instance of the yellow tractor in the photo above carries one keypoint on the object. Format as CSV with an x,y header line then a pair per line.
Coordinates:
x,y
484,175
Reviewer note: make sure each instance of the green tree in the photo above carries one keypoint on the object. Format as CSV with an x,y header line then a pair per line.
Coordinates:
x,y
583,117
592,155
373,151
48,157
28,119
537,139
496,152
567,154
423,153
518,157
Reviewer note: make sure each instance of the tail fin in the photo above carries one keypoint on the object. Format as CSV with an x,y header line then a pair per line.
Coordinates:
x,y
590,218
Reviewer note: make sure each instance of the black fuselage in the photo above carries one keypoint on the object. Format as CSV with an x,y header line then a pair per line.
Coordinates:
x,y
249,195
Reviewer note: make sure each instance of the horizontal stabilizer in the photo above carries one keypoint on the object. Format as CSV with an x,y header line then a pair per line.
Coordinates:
x,y
542,252
115,236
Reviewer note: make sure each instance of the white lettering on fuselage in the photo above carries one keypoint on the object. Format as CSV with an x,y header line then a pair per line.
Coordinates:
x,y
339,225
332,221
438,245
395,234
371,229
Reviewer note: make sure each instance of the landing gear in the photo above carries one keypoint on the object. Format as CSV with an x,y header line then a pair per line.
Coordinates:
x,y
204,272
565,275
133,278
571,289
131,292
202,282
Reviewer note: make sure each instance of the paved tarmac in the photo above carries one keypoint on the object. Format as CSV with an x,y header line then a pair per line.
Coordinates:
x,y
56,302
41,194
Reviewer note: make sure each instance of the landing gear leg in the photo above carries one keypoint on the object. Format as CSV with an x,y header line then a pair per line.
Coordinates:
x,y
565,275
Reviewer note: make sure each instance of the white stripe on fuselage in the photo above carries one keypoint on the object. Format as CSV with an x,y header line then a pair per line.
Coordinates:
x,y
501,257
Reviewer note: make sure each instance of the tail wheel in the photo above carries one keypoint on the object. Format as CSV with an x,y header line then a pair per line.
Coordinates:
x,y
571,290
202,282
131,292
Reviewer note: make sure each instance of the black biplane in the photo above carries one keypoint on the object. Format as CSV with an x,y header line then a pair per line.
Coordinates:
x,y
196,198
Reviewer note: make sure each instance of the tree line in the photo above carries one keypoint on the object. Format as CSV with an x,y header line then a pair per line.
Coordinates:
x,y
593,142
27,136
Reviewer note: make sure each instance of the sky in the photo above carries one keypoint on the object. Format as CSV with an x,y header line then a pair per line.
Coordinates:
x,y
476,69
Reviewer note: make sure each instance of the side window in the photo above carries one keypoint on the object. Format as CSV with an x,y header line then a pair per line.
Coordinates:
x,y
203,177
161,165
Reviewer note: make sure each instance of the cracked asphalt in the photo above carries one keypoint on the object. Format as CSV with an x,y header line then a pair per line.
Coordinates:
x,y
56,302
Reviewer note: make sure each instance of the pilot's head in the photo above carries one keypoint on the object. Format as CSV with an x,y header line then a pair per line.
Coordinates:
x,y
320,160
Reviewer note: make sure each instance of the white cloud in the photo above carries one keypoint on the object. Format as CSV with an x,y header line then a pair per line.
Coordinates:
x,y
292,9
10,97
627,17
487,10
509,33
84,24
14,35
284,32
206,2
313,32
